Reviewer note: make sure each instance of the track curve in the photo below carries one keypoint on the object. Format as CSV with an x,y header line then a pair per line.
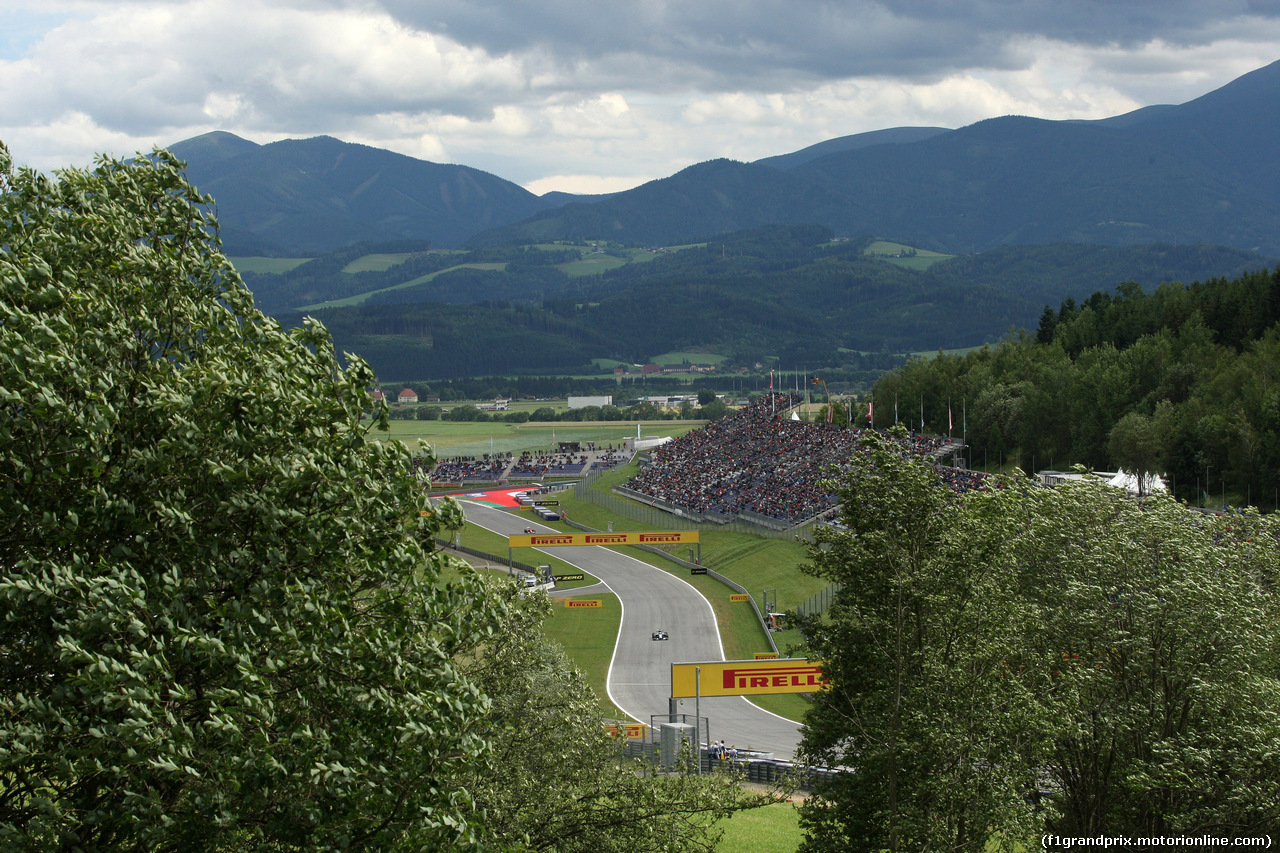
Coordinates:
x,y
640,673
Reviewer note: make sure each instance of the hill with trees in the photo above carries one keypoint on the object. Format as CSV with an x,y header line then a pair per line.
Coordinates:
x,y
788,295
1203,171
1178,380
1200,171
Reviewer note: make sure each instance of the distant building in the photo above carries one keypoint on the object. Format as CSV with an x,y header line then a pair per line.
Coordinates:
x,y
583,402
498,405
408,395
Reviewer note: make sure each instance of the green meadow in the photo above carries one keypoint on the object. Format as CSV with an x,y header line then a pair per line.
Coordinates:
x,y
267,265
466,438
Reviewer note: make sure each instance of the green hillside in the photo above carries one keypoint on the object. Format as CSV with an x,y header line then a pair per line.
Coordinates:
x,y
776,295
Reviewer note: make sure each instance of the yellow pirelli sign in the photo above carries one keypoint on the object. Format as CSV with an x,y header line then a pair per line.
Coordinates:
x,y
631,731
746,677
737,596
584,602
557,540
766,655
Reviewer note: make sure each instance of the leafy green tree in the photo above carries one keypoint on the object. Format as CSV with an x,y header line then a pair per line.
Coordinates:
x,y
919,647
543,413
1158,650
223,626
705,396
715,410
1137,447
1117,661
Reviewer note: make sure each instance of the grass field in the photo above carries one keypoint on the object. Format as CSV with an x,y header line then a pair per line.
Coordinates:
x,y
376,263
267,265
691,357
920,259
465,438
770,829
359,298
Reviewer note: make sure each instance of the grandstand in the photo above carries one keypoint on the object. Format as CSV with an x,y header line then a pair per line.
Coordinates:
x,y
535,465
757,462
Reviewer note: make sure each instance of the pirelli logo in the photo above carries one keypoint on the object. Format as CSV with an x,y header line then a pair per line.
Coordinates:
x,y
738,596
573,577
746,678
635,537
593,602
605,538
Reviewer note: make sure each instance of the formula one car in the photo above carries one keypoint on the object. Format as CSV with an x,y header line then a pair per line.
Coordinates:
x,y
660,635
530,530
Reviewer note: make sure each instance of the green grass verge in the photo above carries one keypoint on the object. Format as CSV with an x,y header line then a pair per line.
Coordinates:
x,y
769,829
581,632
492,543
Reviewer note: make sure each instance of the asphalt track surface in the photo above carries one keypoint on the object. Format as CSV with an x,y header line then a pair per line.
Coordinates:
x,y
640,675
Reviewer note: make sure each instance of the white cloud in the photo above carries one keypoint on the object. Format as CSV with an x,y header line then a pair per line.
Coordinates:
x,y
569,91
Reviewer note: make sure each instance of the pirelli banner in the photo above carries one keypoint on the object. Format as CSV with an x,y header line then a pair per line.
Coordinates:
x,y
557,540
746,677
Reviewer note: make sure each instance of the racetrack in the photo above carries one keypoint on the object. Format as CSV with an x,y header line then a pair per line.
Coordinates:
x,y
640,675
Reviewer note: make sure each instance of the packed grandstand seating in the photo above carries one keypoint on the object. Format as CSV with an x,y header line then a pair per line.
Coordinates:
x,y
494,467
753,460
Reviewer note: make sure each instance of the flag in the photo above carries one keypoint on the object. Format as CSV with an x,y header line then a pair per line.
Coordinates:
x,y
770,380
870,404
950,423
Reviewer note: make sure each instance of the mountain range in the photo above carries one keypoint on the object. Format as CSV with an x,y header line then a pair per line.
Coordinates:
x,y
1203,171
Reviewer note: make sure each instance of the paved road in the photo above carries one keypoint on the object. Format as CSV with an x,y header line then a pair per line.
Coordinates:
x,y
640,675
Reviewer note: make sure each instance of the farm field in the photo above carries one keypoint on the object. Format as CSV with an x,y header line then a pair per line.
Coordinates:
x,y
907,257
475,438
422,279
267,265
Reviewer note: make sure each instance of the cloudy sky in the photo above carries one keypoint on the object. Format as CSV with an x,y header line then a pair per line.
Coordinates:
x,y
587,96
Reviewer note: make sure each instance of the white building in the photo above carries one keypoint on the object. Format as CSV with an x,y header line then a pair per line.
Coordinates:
x,y
583,402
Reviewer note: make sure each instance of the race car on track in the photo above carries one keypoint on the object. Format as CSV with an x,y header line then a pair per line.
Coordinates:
x,y
660,634
530,530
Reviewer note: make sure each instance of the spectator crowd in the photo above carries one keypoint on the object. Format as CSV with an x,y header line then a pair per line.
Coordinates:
x,y
754,460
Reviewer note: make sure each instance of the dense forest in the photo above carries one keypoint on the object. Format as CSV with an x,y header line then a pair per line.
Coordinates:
x,y
1183,380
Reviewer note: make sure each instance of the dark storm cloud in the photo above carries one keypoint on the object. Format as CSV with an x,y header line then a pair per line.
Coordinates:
x,y
803,40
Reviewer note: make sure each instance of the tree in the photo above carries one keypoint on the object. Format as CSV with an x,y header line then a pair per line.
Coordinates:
x,y
918,648
1027,660
715,410
224,627
1137,446
1158,651
705,396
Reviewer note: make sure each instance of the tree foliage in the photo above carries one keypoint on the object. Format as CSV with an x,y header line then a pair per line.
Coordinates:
x,y
224,623
221,627
1031,660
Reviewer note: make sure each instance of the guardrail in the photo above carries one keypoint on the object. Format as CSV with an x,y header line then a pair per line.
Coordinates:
x,y
763,771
